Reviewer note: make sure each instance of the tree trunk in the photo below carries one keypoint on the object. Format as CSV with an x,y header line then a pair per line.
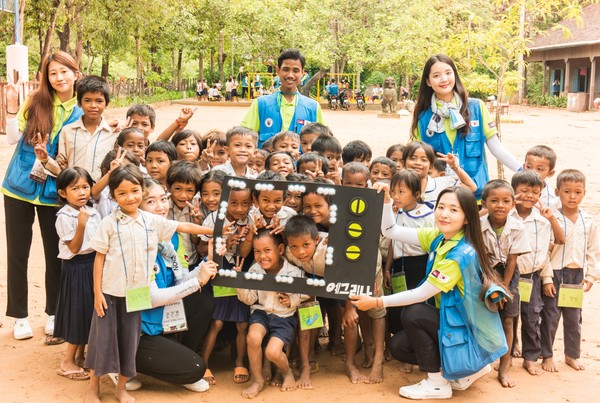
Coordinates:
x,y
139,64
49,32
21,19
212,66
221,58
498,121
65,37
309,84
105,63
79,40
179,61
201,67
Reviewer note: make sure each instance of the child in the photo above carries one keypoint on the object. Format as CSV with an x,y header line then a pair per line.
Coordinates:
x,y
100,192
458,273
159,157
438,168
86,141
241,143
229,308
178,125
309,133
355,174
122,268
330,148
287,141
450,122
132,139
381,168
257,162
269,211
527,186
142,117
542,159
213,148
183,182
357,150
280,162
75,225
419,156
574,263
211,187
395,154
293,199
273,313
188,145
313,165
505,239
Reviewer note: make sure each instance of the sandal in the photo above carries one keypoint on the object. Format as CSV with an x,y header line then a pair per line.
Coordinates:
x,y
209,377
53,341
75,375
241,375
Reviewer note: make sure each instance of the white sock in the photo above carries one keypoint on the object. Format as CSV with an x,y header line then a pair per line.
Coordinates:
x,y
436,379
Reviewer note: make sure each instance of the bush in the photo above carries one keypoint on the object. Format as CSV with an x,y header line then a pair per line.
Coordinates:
x,y
548,100
161,96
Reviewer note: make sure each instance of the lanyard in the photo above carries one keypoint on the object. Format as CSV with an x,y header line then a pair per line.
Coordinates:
x,y
565,245
75,149
147,247
536,246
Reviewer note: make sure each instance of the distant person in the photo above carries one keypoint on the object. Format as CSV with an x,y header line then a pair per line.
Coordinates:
x,y
597,103
556,87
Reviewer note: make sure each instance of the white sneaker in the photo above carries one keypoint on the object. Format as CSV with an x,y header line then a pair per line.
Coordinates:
x,y
464,383
49,329
200,386
22,330
425,390
131,385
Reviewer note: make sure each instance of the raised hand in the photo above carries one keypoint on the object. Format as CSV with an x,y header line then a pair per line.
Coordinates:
x,y
208,270
40,147
208,154
276,225
385,188
239,263
186,114
318,173
119,160
195,212
284,299
83,216
12,93
450,159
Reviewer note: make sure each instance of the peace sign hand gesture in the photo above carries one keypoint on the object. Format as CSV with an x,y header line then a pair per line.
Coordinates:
x,y
41,147
208,154
239,263
195,212
12,94
119,160
318,172
450,159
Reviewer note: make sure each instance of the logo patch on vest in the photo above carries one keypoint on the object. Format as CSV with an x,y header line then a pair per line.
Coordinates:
x,y
268,122
440,276
302,122
474,123
491,125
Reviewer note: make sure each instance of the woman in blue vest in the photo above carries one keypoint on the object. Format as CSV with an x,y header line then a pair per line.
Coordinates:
x,y
29,191
445,340
450,122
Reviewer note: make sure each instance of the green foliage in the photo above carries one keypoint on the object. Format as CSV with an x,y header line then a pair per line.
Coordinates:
x,y
479,85
159,96
548,100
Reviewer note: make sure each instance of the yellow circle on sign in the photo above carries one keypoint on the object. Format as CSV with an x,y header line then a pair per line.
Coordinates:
x,y
358,206
353,253
354,230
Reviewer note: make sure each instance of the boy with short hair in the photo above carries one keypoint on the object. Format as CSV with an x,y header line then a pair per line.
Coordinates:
x,y
287,141
142,117
574,263
505,239
330,148
357,150
309,133
241,144
542,159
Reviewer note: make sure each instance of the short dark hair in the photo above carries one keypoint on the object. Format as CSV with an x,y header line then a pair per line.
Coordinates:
x,y
143,110
385,161
243,132
127,172
323,144
528,178
214,135
393,148
291,54
542,151
267,233
316,128
410,179
413,146
70,176
300,225
124,133
493,185
111,155
184,172
570,175
439,165
286,134
184,134
355,167
163,146
296,177
270,157
356,149
93,84
313,157
262,152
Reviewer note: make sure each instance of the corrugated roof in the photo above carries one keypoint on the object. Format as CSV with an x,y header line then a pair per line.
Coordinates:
x,y
587,34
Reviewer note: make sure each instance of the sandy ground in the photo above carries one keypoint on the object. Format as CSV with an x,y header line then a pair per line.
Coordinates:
x,y
28,368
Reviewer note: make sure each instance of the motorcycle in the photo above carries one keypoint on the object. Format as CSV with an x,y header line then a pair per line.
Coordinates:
x,y
333,103
360,100
344,101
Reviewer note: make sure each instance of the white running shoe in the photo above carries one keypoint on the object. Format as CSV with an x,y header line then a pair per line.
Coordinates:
x,y
199,386
22,330
464,383
49,329
426,390
131,385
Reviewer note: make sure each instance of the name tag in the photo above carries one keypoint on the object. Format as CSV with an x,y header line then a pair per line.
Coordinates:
x,y
398,282
219,292
138,299
525,287
570,296
310,317
174,318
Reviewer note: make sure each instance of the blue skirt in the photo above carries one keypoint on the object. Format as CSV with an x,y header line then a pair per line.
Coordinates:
x,y
75,303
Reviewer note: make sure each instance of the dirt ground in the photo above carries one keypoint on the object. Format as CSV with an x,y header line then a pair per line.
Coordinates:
x,y
28,368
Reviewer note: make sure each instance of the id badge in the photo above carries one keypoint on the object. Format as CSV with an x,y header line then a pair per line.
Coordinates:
x,y
138,299
525,287
570,296
174,318
37,172
398,282
310,316
219,292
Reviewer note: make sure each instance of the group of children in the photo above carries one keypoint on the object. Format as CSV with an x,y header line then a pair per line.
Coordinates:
x,y
537,238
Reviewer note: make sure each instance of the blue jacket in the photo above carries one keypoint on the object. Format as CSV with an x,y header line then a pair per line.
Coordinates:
x,y
470,148
17,179
269,115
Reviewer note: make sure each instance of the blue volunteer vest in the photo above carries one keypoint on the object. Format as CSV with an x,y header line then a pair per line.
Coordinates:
x,y
17,179
470,148
152,318
269,115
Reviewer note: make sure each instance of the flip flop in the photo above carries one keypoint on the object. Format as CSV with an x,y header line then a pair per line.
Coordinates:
x,y
209,377
241,375
75,374
53,341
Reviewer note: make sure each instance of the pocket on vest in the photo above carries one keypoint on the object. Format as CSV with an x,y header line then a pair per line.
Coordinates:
x,y
17,176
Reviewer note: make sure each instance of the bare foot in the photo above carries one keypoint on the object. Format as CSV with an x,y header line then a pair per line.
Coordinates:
x,y
253,390
376,375
267,372
354,374
504,377
549,365
92,396
277,379
304,381
516,353
574,363
289,383
387,355
405,367
496,366
369,353
123,396
337,348
532,368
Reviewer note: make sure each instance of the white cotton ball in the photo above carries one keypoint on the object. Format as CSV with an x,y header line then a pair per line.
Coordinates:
x,y
260,277
221,216
332,220
333,214
221,272
333,207
290,280
322,282
248,276
224,204
233,274
330,249
302,188
310,281
254,276
278,278
329,262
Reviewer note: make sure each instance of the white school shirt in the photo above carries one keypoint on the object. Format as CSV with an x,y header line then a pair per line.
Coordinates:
x,y
420,217
105,204
81,148
228,169
130,244
316,265
581,248
549,198
284,214
268,301
512,241
66,225
435,186
209,222
539,231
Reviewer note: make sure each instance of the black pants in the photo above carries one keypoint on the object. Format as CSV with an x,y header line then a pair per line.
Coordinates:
x,y
162,357
19,216
418,343
199,308
415,269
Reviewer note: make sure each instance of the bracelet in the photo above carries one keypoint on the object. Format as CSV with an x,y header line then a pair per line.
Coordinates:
x,y
12,113
180,124
43,162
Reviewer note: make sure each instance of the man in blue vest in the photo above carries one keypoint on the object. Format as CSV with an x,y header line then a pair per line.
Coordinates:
x,y
286,108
